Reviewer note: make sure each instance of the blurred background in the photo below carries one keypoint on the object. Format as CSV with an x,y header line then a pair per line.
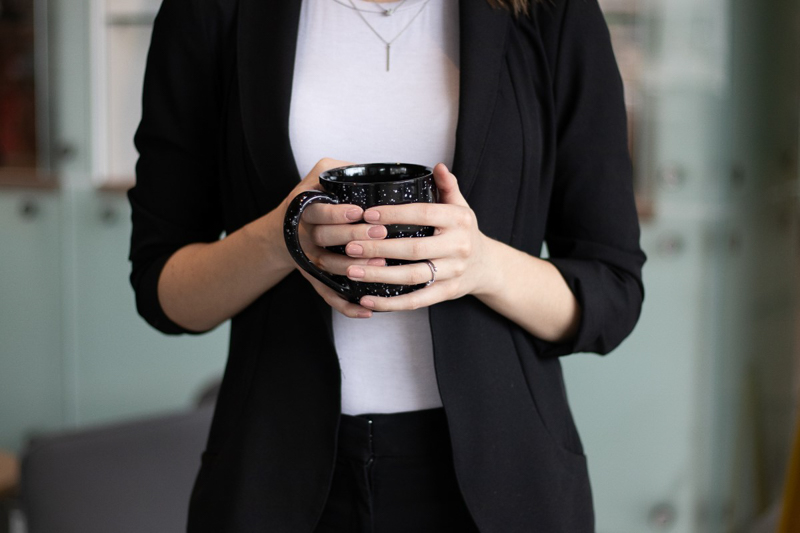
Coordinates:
x,y
688,427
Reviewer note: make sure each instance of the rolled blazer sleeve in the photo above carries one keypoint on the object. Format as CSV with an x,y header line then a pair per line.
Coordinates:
x,y
592,229
175,201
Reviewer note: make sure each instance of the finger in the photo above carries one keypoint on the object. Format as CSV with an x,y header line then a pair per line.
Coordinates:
x,y
339,234
420,214
414,274
311,180
338,303
438,292
446,182
326,163
411,248
320,213
338,264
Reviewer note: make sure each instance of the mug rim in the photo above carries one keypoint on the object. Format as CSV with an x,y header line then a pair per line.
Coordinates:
x,y
326,175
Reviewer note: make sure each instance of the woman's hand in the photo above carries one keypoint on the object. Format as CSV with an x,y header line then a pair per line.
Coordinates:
x,y
457,249
324,225
525,289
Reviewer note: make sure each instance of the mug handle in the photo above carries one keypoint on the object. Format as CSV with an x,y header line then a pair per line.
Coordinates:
x,y
291,223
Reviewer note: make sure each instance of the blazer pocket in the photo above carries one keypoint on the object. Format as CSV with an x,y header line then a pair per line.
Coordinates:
x,y
548,394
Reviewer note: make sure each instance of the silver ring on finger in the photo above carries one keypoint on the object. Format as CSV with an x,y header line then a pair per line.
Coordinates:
x,y
433,272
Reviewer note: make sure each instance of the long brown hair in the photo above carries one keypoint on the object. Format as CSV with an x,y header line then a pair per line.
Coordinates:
x,y
518,7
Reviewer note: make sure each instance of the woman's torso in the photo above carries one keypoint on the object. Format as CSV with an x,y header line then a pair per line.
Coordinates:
x,y
347,105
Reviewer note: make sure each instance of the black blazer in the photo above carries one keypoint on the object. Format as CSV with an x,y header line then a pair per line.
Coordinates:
x,y
541,155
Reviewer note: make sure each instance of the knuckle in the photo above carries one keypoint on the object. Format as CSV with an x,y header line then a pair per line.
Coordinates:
x,y
305,240
452,292
418,248
368,247
459,269
464,249
425,211
323,212
311,213
470,248
308,215
317,235
419,276
323,262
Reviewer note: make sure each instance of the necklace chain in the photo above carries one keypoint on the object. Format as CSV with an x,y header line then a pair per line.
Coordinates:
x,y
379,36
386,12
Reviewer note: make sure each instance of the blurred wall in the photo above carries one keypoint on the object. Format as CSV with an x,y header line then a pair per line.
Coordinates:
x,y
73,351
686,426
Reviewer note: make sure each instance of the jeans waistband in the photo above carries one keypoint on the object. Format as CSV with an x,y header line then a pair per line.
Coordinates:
x,y
412,433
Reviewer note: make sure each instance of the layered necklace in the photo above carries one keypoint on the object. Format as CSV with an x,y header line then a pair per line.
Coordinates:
x,y
387,12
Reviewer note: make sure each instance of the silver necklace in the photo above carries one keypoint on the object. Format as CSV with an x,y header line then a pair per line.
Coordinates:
x,y
379,36
385,12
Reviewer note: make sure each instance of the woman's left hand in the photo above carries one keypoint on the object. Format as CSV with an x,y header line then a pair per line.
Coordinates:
x,y
457,249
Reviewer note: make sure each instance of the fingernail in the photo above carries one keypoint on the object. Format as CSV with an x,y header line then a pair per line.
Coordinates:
x,y
355,272
372,216
377,232
366,302
364,314
353,214
354,250
377,261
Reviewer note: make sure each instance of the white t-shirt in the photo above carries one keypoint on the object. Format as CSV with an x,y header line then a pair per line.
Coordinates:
x,y
346,105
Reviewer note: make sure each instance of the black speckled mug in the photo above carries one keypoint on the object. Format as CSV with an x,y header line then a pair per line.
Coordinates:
x,y
365,186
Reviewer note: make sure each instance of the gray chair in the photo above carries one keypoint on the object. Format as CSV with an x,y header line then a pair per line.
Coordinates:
x,y
128,478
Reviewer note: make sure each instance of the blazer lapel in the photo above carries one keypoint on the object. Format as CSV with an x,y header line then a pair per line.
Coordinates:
x,y
267,44
483,31
267,41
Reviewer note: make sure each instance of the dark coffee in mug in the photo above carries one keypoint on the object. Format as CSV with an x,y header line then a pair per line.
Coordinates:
x,y
366,186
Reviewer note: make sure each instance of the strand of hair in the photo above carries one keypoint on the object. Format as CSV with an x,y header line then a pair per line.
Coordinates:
x,y
518,7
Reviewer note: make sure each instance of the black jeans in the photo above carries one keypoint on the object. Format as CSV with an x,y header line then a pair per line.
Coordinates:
x,y
394,473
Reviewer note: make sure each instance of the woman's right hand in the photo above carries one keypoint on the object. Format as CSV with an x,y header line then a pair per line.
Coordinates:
x,y
324,225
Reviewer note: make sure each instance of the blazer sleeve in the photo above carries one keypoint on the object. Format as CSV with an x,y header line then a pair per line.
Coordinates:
x,y
175,201
592,230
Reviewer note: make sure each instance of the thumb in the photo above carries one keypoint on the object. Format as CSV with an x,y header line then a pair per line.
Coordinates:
x,y
311,181
446,182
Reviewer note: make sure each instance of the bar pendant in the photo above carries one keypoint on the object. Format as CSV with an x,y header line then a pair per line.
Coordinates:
x,y
388,49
